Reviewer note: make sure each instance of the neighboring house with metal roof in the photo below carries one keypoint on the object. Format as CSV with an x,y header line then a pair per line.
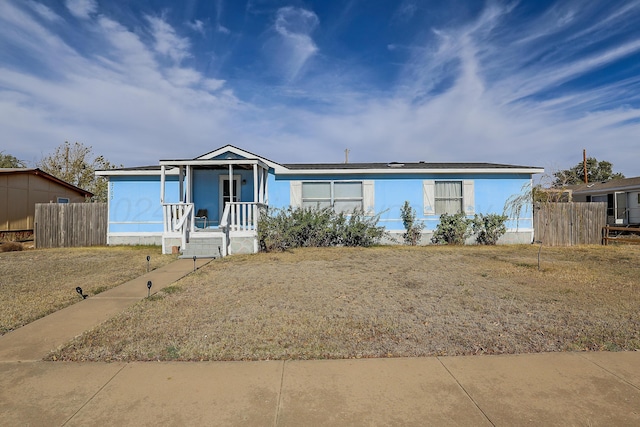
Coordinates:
x,y
21,189
621,195
213,200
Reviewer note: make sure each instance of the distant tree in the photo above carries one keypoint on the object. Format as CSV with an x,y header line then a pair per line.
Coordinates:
x,y
75,164
9,161
597,171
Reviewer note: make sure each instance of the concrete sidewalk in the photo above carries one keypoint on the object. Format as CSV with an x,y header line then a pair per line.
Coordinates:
x,y
582,389
587,389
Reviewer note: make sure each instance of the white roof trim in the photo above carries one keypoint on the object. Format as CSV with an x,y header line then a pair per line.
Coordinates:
x,y
396,171
142,172
239,152
216,162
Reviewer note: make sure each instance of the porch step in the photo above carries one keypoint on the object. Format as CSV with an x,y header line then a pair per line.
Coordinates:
x,y
203,248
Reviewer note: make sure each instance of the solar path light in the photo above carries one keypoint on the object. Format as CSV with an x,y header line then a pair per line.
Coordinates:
x,y
194,263
79,291
148,259
149,284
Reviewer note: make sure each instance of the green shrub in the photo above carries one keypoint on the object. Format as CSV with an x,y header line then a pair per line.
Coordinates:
x,y
452,230
489,228
282,229
413,228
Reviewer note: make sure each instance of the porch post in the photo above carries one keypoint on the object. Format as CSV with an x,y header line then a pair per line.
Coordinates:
x,y
266,187
230,182
189,184
181,183
261,186
162,173
255,183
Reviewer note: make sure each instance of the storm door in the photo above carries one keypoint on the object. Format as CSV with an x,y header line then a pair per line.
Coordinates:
x,y
225,195
621,207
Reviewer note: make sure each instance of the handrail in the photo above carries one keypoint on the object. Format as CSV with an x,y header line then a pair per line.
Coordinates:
x,y
179,217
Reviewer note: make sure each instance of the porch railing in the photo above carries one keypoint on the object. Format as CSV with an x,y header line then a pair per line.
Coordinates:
x,y
179,218
239,216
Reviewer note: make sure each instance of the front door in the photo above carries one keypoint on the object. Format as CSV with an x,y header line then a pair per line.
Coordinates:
x,y
621,207
225,194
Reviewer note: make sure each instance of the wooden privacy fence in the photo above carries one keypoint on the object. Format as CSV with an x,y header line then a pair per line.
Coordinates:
x,y
568,224
59,225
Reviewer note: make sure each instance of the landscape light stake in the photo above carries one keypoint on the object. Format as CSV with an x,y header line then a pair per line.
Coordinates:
x,y
539,250
149,288
194,263
79,291
220,251
148,259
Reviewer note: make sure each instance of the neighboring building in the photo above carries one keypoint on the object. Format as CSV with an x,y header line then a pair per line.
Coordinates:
x,y
21,189
186,203
621,195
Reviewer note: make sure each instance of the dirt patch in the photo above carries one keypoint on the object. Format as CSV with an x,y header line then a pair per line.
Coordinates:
x,y
35,283
382,302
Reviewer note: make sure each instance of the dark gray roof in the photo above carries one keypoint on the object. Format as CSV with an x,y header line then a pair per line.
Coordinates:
x,y
400,165
369,166
139,168
614,184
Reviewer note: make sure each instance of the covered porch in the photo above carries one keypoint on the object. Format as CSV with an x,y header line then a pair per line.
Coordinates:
x,y
217,205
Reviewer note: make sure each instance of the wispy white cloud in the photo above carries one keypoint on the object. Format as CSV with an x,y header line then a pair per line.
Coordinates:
x,y
484,90
82,9
197,26
478,94
43,10
114,101
292,45
167,42
219,27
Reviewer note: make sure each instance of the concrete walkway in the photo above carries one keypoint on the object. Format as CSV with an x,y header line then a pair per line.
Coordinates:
x,y
33,341
589,389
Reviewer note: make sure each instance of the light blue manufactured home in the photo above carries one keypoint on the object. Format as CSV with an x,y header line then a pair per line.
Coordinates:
x,y
209,206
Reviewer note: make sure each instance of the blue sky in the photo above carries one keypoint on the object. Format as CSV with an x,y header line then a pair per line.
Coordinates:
x,y
521,82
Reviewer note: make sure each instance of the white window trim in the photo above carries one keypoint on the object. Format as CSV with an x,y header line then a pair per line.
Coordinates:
x,y
368,193
429,196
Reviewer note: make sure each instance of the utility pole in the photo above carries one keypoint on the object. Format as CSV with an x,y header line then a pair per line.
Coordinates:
x,y
584,165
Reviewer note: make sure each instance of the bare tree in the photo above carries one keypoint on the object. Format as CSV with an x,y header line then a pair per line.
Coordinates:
x,y
75,164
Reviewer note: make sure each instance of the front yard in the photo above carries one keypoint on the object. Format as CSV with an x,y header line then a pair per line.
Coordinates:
x,y
34,283
383,302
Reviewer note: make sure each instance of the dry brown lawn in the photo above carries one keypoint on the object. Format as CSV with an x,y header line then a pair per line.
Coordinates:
x,y
382,302
34,283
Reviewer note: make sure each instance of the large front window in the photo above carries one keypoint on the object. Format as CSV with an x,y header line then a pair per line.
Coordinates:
x,y
448,197
341,196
